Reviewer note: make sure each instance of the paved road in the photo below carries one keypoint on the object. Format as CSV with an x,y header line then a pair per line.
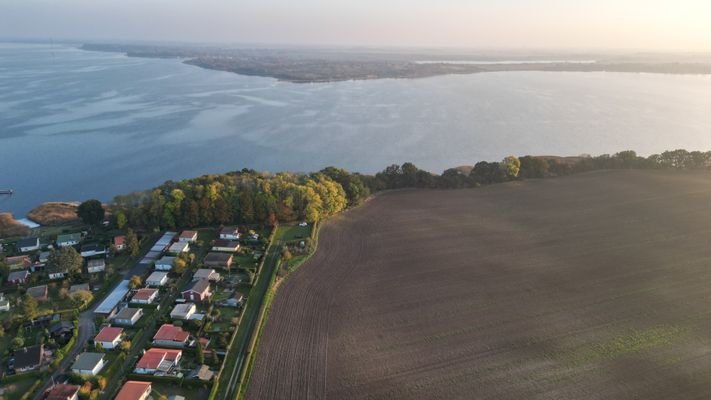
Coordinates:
x,y
87,330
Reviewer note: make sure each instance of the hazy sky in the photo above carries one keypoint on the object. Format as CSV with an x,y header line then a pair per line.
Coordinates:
x,y
638,24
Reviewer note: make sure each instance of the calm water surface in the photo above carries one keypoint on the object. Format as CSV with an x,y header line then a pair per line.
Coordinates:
x,y
77,124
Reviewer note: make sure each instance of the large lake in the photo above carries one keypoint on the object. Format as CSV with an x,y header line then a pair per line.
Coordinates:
x,y
77,124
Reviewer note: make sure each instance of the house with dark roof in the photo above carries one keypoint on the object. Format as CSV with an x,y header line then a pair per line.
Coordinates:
x,y
18,277
228,246
198,291
70,239
218,260
63,392
92,249
206,273
40,293
229,233
89,363
28,244
169,335
165,263
128,316
62,329
28,358
96,266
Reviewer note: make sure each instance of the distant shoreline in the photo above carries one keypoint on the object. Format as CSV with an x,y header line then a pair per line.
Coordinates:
x,y
323,67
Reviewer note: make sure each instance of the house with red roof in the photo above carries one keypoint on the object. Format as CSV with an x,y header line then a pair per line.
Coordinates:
x,y
120,242
145,296
169,335
134,390
158,361
63,392
188,236
109,337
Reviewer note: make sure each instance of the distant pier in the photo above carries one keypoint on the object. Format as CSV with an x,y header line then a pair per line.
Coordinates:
x,y
6,191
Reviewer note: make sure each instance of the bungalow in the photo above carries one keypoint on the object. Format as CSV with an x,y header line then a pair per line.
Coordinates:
x,y
80,287
39,293
28,244
165,263
205,273
18,277
89,363
4,303
134,390
44,256
183,311
145,296
202,373
92,249
198,291
218,260
229,233
179,247
28,358
188,236
56,273
18,262
158,361
157,279
169,335
63,392
63,329
229,246
95,266
128,316
109,337
120,242
69,239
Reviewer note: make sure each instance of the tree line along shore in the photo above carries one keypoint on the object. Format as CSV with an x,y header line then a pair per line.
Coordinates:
x,y
253,197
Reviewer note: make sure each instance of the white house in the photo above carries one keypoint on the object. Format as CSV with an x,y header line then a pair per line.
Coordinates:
x,y
188,236
229,233
165,263
95,266
70,239
4,303
145,296
206,273
89,364
28,244
229,246
109,337
157,279
157,360
183,311
128,316
179,247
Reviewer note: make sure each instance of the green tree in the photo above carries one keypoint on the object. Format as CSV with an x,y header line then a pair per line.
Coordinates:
x,y
65,259
132,243
199,354
135,282
121,219
29,307
511,166
91,212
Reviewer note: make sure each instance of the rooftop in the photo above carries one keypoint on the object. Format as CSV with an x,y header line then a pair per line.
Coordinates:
x,y
133,390
87,361
156,276
62,392
28,357
113,299
171,332
108,334
188,234
217,257
38,291
127,313
28,242
144,294
153,357
69,237
18,275
183,308
198,286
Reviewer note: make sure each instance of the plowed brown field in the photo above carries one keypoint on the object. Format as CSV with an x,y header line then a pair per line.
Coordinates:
x,y
596,286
